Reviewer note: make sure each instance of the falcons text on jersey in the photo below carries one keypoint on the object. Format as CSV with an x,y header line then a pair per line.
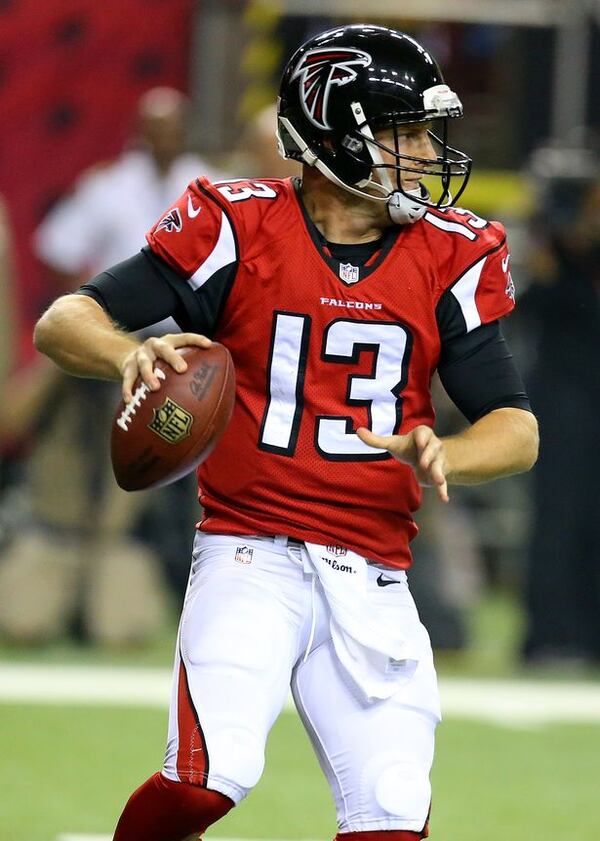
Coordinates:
x,y
319,353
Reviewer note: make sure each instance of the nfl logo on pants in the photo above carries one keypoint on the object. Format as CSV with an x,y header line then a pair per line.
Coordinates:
x,y
243,554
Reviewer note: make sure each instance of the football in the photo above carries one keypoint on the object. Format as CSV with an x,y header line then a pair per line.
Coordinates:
x,y
159,436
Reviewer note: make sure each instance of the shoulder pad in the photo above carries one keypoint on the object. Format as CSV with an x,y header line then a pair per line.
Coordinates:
x,y
248,203
472,261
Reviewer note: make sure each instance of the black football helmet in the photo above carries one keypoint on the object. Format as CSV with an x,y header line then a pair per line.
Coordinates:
x,y
341,87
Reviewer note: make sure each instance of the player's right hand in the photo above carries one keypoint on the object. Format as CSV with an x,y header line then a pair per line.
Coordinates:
x,y
421,449
140,361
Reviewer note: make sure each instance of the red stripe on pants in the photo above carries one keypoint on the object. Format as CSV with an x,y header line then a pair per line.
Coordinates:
x,y
192,757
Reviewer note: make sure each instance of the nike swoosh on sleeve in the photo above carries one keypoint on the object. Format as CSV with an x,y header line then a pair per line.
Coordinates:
x,y
191,210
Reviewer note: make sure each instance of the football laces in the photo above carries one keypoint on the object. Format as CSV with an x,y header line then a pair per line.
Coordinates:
x,y
139,394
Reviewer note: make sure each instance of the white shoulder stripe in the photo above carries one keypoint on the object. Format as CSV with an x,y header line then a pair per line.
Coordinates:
x,y
223,254
464,292
229,180
452,227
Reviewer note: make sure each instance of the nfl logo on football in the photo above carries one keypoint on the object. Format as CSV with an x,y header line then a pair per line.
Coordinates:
x,y
338,551
348,273
243,554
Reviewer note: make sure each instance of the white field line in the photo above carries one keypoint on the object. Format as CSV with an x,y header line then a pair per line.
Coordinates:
x,y
509,702
71,837
84,838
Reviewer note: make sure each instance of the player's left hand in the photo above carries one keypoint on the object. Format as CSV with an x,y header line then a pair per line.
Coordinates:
x,y
421,449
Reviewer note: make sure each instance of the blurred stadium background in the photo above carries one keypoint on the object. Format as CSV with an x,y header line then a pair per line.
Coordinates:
x,y
507,577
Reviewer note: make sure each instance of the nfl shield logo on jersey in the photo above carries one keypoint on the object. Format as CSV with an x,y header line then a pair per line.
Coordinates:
x,y
348,272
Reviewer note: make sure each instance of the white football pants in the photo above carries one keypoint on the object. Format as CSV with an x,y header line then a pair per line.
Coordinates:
x,y
254,623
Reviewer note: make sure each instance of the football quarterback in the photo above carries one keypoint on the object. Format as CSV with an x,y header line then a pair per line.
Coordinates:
x,y
338,295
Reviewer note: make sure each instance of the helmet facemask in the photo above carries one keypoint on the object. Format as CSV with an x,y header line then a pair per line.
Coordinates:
x,y
444,177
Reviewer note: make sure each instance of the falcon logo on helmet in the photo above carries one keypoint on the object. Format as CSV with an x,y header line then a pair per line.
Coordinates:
x,y
318,70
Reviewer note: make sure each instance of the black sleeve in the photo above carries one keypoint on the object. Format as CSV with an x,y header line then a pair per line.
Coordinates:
x,y
144,289
478,372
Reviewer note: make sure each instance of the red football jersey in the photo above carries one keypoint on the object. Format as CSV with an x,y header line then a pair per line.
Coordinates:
x,y
321,348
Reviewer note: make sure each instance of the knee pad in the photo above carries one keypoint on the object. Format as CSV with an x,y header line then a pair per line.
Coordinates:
x,y
403,789
236,757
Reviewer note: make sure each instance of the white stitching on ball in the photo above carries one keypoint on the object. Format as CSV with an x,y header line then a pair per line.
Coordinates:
x,y
139,394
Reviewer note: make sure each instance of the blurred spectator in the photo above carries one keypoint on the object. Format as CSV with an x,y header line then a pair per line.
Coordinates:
x,y
256,155
7,326
84,564
22,393
8,341
113,205
562,310
440,579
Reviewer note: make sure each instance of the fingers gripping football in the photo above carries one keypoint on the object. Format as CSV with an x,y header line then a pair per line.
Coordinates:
x,y
421,449
160,435
140,362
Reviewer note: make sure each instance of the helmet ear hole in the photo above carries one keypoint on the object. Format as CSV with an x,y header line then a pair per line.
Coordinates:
x,y
351,169
353,160
353,144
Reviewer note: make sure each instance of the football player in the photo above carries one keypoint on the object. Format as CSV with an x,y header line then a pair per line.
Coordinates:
x,y
338,294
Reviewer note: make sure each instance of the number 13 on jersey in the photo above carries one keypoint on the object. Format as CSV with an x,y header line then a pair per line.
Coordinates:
x,y
344,340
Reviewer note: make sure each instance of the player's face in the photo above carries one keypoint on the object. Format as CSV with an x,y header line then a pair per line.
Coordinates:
x,y
413,140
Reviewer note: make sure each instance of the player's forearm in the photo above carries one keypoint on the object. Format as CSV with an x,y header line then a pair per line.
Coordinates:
x,y
501,443
77,334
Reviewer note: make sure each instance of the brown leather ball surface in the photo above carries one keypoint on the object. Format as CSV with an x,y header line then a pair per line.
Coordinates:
x,y
162,435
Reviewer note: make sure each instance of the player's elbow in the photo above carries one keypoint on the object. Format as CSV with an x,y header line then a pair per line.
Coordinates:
x,y
518,439
527,432
43,332
49,330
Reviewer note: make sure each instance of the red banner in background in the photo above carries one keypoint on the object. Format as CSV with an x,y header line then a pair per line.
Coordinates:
x,y
71,72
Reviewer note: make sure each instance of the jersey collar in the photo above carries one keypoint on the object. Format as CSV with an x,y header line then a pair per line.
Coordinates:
x,y
346,273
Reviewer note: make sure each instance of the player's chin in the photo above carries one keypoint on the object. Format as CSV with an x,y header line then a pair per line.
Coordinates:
x,y
412,186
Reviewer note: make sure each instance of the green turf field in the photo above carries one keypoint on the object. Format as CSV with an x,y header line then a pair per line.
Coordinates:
x,y
69,770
